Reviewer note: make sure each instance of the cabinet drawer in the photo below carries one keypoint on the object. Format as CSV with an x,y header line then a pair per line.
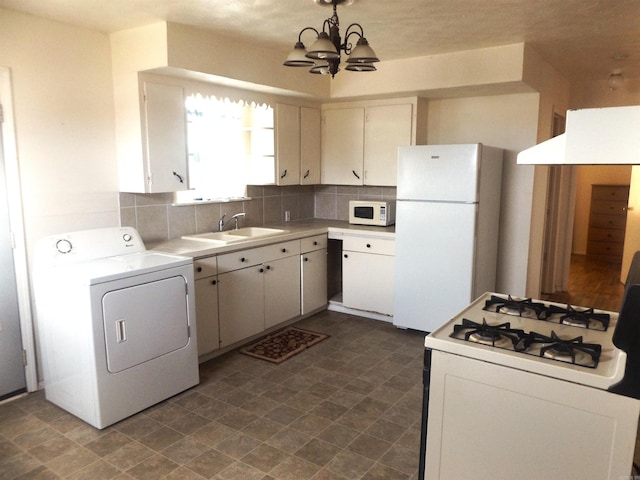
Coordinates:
x,y
369,245
606,235
610,192
205,267
604,248
281,250
608,221
609,207
242,259
309,244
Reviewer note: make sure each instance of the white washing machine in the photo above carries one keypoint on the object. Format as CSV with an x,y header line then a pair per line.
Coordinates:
x,y
116,323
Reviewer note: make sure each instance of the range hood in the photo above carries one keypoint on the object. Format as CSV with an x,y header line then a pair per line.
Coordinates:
x,y
594,136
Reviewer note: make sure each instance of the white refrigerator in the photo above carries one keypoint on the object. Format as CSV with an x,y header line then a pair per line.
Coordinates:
x,y
447,224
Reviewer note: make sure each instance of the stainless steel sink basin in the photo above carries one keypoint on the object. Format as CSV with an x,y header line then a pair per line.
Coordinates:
x,y
231,236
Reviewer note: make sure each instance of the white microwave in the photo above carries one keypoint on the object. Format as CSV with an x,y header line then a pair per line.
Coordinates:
x,y
369,212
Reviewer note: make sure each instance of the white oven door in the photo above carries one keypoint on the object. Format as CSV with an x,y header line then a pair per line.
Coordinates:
x,y
490,422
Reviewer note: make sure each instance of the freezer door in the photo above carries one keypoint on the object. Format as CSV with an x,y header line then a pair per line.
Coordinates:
x,y
447,173
435,249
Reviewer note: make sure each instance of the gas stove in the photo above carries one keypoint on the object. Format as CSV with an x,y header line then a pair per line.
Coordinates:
x,y
562,341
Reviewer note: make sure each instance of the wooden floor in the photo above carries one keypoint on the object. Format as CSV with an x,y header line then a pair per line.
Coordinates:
x,y
592,283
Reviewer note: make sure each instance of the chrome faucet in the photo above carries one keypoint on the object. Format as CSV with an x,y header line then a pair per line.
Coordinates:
x,y
222,224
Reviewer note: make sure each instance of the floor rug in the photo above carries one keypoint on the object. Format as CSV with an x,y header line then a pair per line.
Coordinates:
x,y
282,345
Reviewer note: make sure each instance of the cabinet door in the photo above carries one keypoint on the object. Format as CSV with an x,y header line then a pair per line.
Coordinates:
x,y
165,147
241,304
207,315
281,290
310,135
287,144
343,146
387,127
314,280
367,282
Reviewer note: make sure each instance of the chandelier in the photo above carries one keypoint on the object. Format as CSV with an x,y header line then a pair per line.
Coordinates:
x,y
324,55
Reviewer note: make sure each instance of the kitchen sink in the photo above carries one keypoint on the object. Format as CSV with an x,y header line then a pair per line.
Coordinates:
x,y
253,232
231,236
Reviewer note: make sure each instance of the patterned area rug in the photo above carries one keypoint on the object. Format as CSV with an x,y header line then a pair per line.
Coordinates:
x,y
282,345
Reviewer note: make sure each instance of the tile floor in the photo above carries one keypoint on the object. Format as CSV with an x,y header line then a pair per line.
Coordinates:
x,y
346,409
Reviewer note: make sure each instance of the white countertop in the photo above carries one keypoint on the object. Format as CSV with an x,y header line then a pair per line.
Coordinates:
x,y
293,231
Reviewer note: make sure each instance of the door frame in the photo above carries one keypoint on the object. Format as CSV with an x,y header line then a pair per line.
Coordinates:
x,y
16,222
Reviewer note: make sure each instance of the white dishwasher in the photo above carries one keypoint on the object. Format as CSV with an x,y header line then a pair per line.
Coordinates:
x,y
116,323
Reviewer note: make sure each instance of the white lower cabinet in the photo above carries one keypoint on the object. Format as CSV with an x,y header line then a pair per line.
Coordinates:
x,y
313,265
206,284
258,289
241,304
281,290
367,274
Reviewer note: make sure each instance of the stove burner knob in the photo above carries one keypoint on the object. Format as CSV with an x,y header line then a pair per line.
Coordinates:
x,y
64,246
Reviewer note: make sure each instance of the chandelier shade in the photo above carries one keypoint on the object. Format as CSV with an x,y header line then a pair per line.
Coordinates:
x,y
324,55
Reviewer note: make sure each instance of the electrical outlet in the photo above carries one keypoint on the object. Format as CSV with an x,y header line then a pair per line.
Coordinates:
x,y
287,216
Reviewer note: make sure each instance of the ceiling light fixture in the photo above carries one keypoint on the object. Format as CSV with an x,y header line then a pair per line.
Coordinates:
x,y
615,80
324,55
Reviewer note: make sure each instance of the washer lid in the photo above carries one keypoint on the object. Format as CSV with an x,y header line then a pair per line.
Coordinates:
x,y
121,266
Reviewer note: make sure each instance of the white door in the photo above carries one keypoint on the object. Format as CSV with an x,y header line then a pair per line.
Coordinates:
x,y
12,374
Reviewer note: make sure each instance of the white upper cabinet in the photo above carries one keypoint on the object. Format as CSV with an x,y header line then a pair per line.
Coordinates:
x,y
387,127
152,139
309,146
166,135
297,145
342,146
287,144
360,141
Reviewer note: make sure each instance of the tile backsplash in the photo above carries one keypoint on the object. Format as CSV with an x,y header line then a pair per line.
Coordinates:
x,y
156,219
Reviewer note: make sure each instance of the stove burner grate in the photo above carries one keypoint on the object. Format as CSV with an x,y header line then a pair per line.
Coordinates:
x,y
586,318
573,350
510,306
495,335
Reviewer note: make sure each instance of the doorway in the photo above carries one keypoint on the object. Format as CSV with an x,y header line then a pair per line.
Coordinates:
x,y
17,348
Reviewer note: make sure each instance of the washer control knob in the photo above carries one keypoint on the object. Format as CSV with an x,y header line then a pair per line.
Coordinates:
x,y
127,237
64,246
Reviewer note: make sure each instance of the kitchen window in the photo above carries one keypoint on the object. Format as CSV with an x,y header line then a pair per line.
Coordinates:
x,y
230,144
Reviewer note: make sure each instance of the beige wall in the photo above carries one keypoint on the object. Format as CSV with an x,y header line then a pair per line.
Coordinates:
x,y
509,122
63,104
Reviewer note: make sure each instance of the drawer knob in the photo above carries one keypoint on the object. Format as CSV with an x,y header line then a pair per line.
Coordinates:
x,y
261,270
199,269
268,267
214,282
306,259
368,245
315,243
284,250
346,256
242,259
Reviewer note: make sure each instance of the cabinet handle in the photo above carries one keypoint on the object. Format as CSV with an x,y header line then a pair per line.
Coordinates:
x,y
284,174
346,256
368,245
268,267
243,259
199,269
315,243
284,250
179,177
261,270
354,172
306,174
306,259
214,282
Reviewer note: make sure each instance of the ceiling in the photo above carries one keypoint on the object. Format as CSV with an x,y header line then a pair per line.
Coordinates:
x,y
583,39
